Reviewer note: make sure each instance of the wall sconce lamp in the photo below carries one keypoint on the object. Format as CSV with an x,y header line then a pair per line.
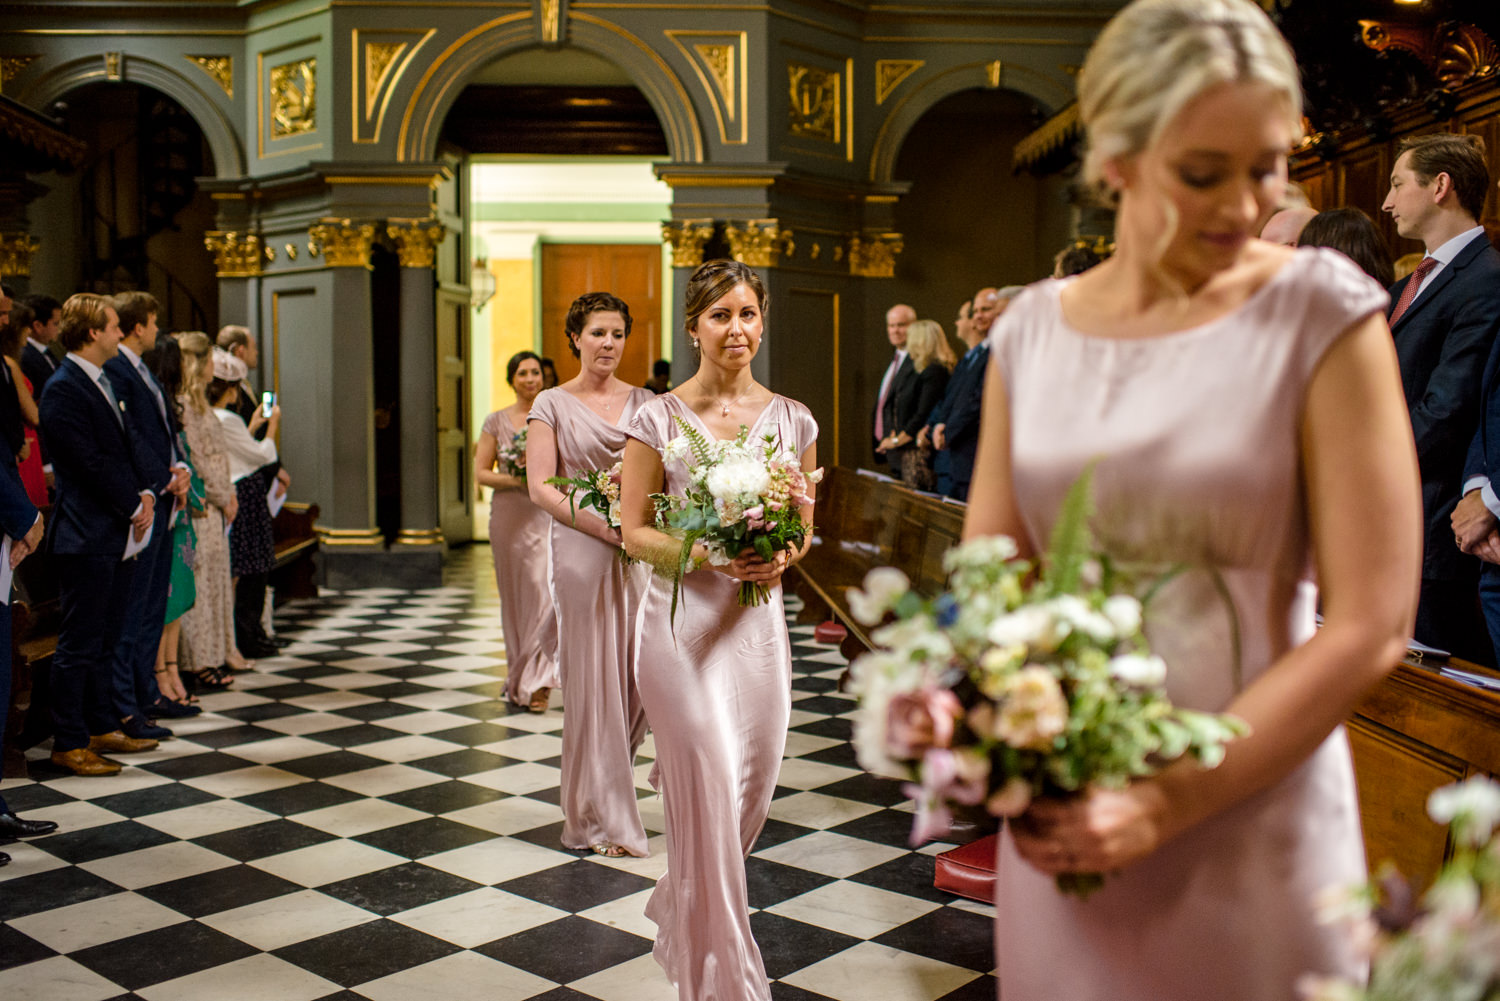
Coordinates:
x,y
481,283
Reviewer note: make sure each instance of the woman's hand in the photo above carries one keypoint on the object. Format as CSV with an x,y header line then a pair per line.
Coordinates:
x,y
1101,830
749,567
231,510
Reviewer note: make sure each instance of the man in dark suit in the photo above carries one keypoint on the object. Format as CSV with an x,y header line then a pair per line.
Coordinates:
x,y
152,425
898,374
102,498
1444,318
36,358
954,422
22,526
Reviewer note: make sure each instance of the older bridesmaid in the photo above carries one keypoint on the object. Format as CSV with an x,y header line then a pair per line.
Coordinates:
x,y
518,541
577,427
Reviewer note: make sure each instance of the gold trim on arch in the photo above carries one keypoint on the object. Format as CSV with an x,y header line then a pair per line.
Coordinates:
x,y
384,88
436,64
728,92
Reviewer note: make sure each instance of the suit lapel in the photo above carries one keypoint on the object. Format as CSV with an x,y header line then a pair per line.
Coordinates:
x,y
1431,292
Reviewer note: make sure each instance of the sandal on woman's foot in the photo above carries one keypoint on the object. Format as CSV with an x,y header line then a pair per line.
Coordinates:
x,y
607,849
211,679
540,700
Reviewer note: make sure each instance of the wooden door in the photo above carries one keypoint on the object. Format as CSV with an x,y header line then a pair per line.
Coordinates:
x,y
455,470
630,271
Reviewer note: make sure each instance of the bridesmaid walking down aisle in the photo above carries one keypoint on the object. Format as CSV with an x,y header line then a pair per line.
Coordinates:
x,y
518,541
573,428
716,682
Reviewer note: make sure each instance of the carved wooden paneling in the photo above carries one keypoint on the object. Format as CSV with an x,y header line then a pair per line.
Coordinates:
x,y
1395,775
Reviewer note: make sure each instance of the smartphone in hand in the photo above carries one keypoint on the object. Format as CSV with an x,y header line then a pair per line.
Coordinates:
x,y
267,401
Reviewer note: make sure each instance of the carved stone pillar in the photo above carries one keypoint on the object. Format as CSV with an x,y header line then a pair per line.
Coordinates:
x,y
346,491
416,242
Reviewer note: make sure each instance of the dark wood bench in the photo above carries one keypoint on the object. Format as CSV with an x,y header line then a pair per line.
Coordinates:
x,y
1417,730
34,616
294,530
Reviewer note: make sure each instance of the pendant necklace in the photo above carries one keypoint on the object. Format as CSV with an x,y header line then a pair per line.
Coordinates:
x,y
724,408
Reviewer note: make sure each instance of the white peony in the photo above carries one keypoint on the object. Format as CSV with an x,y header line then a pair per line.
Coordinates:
x,y
738,479
1076,613
1474,804
981,552
1141,670
884,586
1125,612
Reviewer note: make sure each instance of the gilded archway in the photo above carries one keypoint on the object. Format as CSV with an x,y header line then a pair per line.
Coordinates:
x,y
447,75
223,141
1052,92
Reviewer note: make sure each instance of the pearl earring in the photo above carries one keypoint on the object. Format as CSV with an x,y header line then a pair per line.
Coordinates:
x,y
695,344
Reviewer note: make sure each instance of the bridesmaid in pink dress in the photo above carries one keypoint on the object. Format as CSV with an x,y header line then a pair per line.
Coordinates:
x,y
716,682
575,427
518,542
1245,404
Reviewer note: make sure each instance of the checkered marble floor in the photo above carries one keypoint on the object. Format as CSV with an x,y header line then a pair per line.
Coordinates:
x,y
366,818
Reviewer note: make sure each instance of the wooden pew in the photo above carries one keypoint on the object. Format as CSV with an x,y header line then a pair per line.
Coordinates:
x,y
34,616
1415,731
294,532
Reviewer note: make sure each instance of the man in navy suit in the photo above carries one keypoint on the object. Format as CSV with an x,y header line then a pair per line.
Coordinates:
x,y
151,423
102,498
22,526
36,359
898,373
1444,318
954,422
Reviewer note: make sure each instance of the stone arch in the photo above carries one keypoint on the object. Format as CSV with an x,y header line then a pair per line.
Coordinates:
x,y
449,72
1050,92
223,141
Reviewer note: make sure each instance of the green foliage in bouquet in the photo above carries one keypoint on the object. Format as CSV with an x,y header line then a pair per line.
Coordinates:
x,y
1020,681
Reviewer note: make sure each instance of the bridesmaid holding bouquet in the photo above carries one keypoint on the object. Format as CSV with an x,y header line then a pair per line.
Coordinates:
x,y
716,679
574,428
518,541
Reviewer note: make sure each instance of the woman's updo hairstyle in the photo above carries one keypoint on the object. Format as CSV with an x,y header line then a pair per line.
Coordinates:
x,y
713,281
587,305
1155,56
514,365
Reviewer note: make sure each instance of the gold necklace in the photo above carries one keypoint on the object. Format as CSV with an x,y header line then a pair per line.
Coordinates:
x,y
724,408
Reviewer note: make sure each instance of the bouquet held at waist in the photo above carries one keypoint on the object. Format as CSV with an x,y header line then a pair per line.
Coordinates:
x,y
511,456
1020,681
741,494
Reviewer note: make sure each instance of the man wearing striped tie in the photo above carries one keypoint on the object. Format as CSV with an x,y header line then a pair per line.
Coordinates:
x,y
1445,317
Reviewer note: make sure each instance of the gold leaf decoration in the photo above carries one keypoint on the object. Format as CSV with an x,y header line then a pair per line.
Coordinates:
x,y
221,68
379,58
817,102
294,98
889,74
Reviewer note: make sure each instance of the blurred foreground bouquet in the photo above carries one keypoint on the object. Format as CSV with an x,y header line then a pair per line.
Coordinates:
x,y
1445,947
741,494
1009,687
512,456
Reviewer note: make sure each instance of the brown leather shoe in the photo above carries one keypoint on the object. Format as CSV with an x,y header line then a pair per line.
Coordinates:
x,y
82,761
116,742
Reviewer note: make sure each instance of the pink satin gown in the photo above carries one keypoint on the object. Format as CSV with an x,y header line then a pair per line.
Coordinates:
x,y
596,597
518,542
718,695
1199,434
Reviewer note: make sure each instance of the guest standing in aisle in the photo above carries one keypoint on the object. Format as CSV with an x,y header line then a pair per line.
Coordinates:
x,y
1244,403
716,681
518,542
577,427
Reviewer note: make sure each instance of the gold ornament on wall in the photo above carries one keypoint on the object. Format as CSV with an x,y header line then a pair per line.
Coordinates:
x,y
686,238
758,242
113,61
993,71
874,256
342,243
379,58
890,73
221,68
236,255
416,240
294,98
816,102
16,250
12,66
718,59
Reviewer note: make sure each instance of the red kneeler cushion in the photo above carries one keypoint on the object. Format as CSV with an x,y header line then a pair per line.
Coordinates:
x,y
968,870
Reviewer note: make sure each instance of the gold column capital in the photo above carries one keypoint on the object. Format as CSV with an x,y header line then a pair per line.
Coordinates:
x,y
416,240
874,255
16,250
759,242
686,238
342,243
236,254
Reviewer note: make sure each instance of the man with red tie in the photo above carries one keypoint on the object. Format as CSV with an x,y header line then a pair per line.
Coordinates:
x,y
897,374
1444,318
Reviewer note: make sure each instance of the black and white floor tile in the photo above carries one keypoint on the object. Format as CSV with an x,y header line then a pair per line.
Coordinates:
x,y
366,818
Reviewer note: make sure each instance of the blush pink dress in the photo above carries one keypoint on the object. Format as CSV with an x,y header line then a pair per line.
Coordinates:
x,y
1199,437
596,596
718,695
518,542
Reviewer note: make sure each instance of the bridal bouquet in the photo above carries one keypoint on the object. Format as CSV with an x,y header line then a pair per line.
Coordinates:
x,y
600,490
1009,687
512,457
1445,947
741,494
